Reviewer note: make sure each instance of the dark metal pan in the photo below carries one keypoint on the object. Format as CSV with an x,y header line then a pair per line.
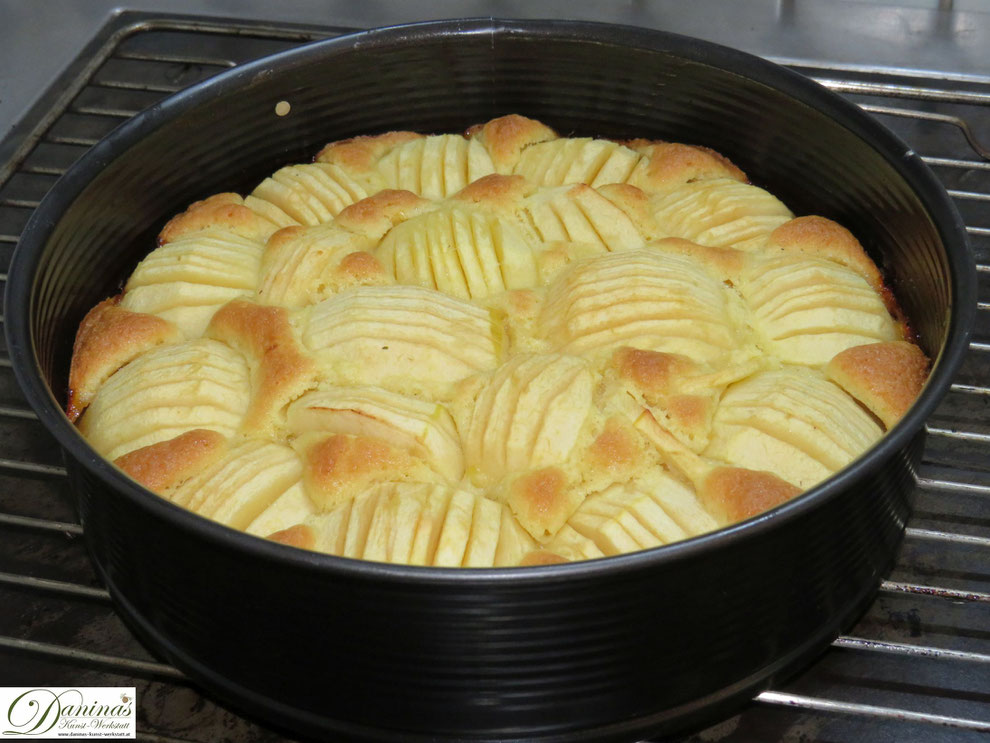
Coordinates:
x,y
613,649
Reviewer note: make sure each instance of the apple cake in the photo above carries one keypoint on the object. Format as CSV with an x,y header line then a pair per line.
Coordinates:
x,y
497,349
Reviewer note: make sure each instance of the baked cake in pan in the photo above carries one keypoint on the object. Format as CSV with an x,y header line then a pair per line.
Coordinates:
x,y
503,348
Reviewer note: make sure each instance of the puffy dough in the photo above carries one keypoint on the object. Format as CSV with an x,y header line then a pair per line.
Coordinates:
x,y
339,467
279,370
507,137
164,466
109,337
885,377
223,211
672,164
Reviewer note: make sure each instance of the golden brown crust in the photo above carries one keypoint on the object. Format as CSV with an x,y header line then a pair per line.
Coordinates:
x,y
164,466
222,210
541,557
361,154
885,377
110,337
507,136
690,412
376,215
733,494
672,164
616,449
823,238
280,370
539,500
495,190
359,267
726,262
282,239
652,373
340,466
300,535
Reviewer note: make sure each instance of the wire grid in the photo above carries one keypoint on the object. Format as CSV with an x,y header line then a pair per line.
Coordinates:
x,y
916,665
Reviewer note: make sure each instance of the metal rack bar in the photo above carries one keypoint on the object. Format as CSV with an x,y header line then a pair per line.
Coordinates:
x,y
64,588
27,522
869,710
935,591
84,657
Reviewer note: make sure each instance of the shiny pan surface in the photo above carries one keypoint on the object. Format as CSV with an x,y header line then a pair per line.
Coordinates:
x,y
613,649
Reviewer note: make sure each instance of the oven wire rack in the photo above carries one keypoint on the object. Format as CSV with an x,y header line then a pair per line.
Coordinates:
x,y
916,666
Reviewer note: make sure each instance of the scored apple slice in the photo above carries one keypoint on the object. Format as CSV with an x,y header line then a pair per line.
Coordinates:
x,y
467,254
527,414
406,338
806,310
643,513
594,162
243,483
579,214
304,265
414,523
792,422
424,429
642,298
185,281
309,194
286,510
168,391
722,212
435,167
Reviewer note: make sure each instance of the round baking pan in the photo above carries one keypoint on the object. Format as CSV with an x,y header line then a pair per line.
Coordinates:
x,y
612,649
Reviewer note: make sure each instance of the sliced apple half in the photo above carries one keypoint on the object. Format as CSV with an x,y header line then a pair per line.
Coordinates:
x,y
166,392
424,429
721,212
806,310
527,414
435,167
642,298
401,337
467,254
